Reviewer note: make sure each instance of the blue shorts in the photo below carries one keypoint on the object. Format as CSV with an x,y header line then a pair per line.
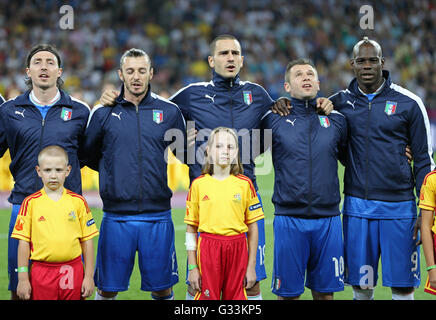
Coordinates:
x,y
260,256
152,236
366,240
314,246
13,250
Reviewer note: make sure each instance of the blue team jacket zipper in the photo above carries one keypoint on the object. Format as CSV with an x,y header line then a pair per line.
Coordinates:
x,y
309,213
366,151
139,159
41,137
231,105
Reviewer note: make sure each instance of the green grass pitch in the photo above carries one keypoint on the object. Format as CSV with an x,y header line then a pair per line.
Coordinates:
x,y
265,183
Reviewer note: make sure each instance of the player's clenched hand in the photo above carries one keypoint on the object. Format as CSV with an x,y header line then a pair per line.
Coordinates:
x,y
24,289
416,228
282,106
409,154
250,277
324,106
108,97
191,134
87,287
194,279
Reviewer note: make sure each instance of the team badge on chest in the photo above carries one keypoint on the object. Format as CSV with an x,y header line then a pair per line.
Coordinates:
x,y
390,107
324,121
66,114
248,97
158,116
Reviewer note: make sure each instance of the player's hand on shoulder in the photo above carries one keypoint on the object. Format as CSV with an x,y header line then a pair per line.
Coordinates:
x,y
282,106
108,97
324,106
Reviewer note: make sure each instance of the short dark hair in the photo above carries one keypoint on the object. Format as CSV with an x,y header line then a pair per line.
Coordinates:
x,y
220,37
300,61
367,41
43,47
134,53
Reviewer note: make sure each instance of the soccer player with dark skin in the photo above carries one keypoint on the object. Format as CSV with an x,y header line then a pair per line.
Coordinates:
x,y
367,65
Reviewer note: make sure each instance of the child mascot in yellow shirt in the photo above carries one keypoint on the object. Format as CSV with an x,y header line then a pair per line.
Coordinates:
x,y
55,228
222,205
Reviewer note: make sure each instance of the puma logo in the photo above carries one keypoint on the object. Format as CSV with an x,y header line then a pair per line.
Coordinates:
x,y
352,104
117,115
20,113
211,98
291,121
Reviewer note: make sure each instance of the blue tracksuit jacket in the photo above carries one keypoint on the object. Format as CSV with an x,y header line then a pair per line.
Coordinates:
x,y
376,165
305,151
224,102
26,133
127,145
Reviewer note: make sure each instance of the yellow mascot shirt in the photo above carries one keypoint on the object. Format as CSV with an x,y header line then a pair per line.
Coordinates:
x,y
223,207
54,229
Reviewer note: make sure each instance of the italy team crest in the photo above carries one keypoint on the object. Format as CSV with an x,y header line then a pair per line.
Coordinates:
x,y
158,116
324,121
248,97
390,107
66,114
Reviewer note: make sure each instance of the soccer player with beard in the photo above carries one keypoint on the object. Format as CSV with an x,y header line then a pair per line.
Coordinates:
x,y
127,145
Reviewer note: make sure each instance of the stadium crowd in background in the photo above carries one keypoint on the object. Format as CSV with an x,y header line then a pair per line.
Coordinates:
x,y
177,35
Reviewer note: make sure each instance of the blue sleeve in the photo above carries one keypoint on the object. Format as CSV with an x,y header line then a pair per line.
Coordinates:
x,y
420,143
3,137
343,141
336,101
2,100
267,100
81,137
266,132
181,98
91,150
176,136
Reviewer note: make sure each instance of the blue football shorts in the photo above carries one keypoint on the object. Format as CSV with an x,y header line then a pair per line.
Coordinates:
x,y
121,236
366,240
307,252
260,256
13,250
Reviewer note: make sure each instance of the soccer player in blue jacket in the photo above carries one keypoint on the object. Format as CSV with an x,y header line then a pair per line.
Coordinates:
x,y
305,150
379,206
44,115
127,144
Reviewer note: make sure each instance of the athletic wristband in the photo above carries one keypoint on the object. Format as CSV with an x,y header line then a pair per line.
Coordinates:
x,y
431,267
192,266
22,269
191,241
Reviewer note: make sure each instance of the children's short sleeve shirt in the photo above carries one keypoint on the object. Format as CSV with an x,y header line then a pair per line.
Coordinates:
x,y
55,229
